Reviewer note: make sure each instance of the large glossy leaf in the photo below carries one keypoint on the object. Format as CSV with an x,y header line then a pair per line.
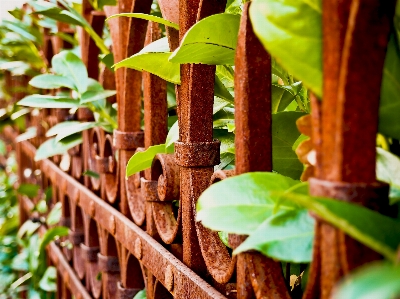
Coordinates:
x,y
272,22
379,232
148,18
44,101
242,203
377,280
143,160
80,127
50,81
387,170
389,108
284,135
285,236
210,41
296,45
154,59
51,147
71,66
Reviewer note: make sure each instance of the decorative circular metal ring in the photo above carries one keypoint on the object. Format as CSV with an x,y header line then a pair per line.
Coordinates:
x,y
216,255
167,216
135,199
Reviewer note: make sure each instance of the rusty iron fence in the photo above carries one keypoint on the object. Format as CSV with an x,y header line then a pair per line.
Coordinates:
x,y
128,235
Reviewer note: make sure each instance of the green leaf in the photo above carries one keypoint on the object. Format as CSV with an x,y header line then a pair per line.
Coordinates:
x,y
68,38
48,282
221,91
226,74
299,140
51,234
273,24
29,190
71,66
140,295
375,280
242,203
22,29
61,127
41,206
91,96
102,3
379,232
210,41
173,135
143,160
287,236
148,18
223,118
44,101
389,108
54,12
154,59
75,129
282,96
91,174
51,147
234,7
55,215
224,237
387,170
3,148
20,113
226,160
107,59
219,104
284,135
48,193
227,141
50,81
20,262
28,228
30,133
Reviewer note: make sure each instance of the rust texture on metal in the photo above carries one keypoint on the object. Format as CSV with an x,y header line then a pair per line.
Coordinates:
x,y
140,232
195,99
341,132
257,275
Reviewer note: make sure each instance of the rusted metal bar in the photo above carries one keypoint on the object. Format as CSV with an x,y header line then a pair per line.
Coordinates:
x,y
257,275
195,104
130,40
348,52
69,278
152,255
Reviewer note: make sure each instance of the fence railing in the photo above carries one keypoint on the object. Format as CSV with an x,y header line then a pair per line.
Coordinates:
x,y
131,232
